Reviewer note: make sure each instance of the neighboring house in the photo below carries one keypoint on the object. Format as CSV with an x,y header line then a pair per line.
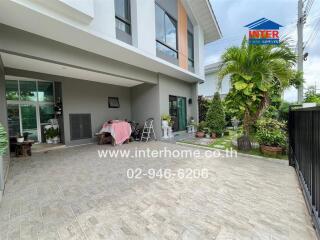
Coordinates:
x,y
100,60
211,83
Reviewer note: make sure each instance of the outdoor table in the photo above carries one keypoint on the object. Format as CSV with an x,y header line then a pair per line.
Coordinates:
x,y
119,130
23,149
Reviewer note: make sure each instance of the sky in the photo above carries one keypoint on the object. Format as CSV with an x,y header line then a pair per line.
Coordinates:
x,y
233,15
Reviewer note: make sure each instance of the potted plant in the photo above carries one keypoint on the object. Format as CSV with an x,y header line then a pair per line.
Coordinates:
x,y
216,117
165,120
20,138
49,134
271,135
3,141
200,133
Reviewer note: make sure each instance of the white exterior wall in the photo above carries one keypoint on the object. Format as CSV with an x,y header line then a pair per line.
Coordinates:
x,y
143,25
210,85
94,16
199,51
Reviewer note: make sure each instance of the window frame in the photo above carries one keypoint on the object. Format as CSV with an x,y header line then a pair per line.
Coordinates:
x,y
191,59
124,20
164,25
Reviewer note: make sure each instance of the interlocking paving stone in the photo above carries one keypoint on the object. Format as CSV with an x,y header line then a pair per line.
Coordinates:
x,y
73,194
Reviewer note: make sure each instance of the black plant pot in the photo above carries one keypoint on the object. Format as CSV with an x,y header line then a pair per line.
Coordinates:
x,y
244,143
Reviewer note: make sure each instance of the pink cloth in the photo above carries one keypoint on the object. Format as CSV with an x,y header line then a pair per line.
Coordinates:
x,y
119,130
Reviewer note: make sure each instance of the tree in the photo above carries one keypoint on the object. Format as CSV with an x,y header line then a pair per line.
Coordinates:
x,y
311,96
215,116
257,73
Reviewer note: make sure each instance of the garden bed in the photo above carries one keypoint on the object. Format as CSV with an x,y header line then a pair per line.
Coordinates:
x,y
225,142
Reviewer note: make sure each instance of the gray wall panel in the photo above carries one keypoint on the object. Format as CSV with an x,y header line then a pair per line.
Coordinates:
x,y
81,96
145,104
170,86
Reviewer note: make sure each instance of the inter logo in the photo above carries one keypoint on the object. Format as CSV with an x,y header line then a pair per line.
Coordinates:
x,y
263,32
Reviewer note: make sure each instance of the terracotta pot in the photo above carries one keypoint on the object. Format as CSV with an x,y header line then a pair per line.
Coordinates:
x,y
271,150
213,135
200,134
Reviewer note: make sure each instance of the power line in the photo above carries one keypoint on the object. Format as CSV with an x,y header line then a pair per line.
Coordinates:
x,y
309,6
313,35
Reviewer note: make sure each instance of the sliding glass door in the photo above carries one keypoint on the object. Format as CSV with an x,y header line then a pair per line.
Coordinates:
x,y
178,112
30,106
29,121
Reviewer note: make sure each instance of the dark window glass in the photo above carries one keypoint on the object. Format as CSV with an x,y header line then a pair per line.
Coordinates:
x,y
46,113
29,121
123,19
45,91
28,91
190,49
166,33
12,90
13,120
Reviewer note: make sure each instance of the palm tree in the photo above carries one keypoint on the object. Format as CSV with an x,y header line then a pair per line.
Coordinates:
x,y
257,72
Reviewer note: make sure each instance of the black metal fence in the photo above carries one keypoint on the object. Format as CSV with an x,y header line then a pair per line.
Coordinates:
x,y
304,155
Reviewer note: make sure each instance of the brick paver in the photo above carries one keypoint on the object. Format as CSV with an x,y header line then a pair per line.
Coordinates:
x,y
73,194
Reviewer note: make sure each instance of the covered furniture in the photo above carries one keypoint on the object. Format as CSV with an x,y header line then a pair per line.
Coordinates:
x,y
119,130
23,149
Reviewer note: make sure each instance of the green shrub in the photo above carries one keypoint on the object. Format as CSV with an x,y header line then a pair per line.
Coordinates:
x,y
311,96
201,126
203,105
166,117
284,111
215,116
271,132
3,140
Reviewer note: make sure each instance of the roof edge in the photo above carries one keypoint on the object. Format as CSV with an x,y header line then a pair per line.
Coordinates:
x,y
214,18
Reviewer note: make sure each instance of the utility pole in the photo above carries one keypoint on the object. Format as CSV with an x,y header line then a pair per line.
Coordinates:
x,y
300,24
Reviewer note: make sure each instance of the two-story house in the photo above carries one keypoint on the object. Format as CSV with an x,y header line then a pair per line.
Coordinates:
x,y
100,60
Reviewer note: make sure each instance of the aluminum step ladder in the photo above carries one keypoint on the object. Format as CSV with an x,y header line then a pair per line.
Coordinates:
x,y
147,131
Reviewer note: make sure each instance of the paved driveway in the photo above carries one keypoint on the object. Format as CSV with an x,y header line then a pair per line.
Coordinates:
x,y
73,194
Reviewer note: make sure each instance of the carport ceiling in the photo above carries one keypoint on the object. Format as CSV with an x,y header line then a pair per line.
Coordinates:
x,y
35,65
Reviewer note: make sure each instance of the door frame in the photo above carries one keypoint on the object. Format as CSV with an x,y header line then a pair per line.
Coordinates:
x,y
37,104
186,111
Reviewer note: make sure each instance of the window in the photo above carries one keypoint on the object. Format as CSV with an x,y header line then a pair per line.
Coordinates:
x,y
166,33
28,91
123,18
13,119
12,90
113,102
46,112
45,91
190,50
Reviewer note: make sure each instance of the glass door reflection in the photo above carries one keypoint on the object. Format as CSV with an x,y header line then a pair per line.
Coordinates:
x,y
29,121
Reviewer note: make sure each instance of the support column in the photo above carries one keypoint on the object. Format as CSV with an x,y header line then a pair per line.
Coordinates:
x,y
4,161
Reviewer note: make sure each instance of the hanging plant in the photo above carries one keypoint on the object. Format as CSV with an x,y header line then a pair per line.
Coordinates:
x,y
3,140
